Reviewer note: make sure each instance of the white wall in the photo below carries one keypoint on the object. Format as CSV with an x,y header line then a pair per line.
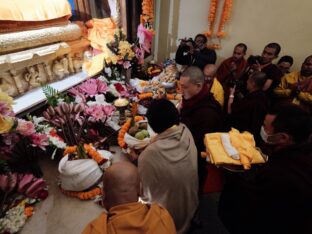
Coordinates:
x,y
254,22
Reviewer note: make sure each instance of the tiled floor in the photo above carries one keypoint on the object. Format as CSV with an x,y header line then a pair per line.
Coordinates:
x,y
60,214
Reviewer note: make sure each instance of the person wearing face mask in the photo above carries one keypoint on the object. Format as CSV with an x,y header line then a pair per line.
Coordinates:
x,y
195,53
278,198
296,87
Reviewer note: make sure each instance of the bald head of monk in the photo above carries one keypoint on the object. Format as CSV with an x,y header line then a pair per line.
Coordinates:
x,y
210,71
121,184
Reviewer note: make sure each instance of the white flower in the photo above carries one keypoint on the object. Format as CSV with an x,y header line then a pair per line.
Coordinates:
x,y
113,90
60,101
99,100
78,99
13,220
108,71
56,142
37,120
103,78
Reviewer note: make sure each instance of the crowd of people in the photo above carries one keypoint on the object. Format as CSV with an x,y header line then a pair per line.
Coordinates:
x,y
254,95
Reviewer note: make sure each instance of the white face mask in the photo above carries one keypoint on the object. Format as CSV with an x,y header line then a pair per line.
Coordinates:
x,y
265,136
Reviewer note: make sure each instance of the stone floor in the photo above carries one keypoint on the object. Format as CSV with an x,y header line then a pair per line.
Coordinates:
x,y
60,214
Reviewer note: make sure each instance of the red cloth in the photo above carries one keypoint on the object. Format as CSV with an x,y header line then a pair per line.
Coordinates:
x,y
187,104
224,73
214,180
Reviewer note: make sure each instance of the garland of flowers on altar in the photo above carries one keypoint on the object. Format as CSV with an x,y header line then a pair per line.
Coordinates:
x,y
225,16
147,16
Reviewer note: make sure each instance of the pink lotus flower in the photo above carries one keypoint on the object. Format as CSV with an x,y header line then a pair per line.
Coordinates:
x,y
40,140
92,87
100,112
108,110
25,128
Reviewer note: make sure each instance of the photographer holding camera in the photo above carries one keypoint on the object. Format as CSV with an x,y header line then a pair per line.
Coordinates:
x,y
195,53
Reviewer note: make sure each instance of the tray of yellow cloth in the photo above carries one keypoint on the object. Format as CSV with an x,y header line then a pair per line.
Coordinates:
x,y
234,151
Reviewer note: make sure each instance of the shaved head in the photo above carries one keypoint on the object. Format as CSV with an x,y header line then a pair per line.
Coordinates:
x,y
121,184
210,71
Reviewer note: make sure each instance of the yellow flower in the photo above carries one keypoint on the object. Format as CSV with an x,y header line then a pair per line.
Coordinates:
x,y
6,123
4,97
108,60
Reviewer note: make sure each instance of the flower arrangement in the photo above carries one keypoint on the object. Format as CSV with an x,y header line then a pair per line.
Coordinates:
x,y
83,119
120,51
19,139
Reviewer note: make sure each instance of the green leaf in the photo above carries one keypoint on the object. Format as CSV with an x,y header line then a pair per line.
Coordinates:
x,y
81,151
126,56
51,94
116,40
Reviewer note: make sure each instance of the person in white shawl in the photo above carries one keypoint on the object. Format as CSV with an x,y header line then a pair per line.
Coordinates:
x,y
168,166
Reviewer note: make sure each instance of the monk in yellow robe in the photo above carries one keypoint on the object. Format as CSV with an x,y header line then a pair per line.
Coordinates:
x,y
213,84
125,214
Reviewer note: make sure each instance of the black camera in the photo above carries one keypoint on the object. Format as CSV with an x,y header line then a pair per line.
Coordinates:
x,y
253,59
239,84
188,40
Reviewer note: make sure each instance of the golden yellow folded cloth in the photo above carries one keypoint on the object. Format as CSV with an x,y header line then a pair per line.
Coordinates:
x,y
101,32
244,143
30,10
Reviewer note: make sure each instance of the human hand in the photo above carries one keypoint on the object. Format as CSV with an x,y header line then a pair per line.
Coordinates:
x,y
133,154
256,66
183,41
189,44
232,91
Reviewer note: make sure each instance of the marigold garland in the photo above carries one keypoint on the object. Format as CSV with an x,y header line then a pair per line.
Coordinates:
x,y
147,15
134,108
28,211
96,156
226,12
83,195
212,17
122,132
225,16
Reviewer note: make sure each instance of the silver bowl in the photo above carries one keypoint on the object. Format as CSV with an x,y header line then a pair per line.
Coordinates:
x,y
169,85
